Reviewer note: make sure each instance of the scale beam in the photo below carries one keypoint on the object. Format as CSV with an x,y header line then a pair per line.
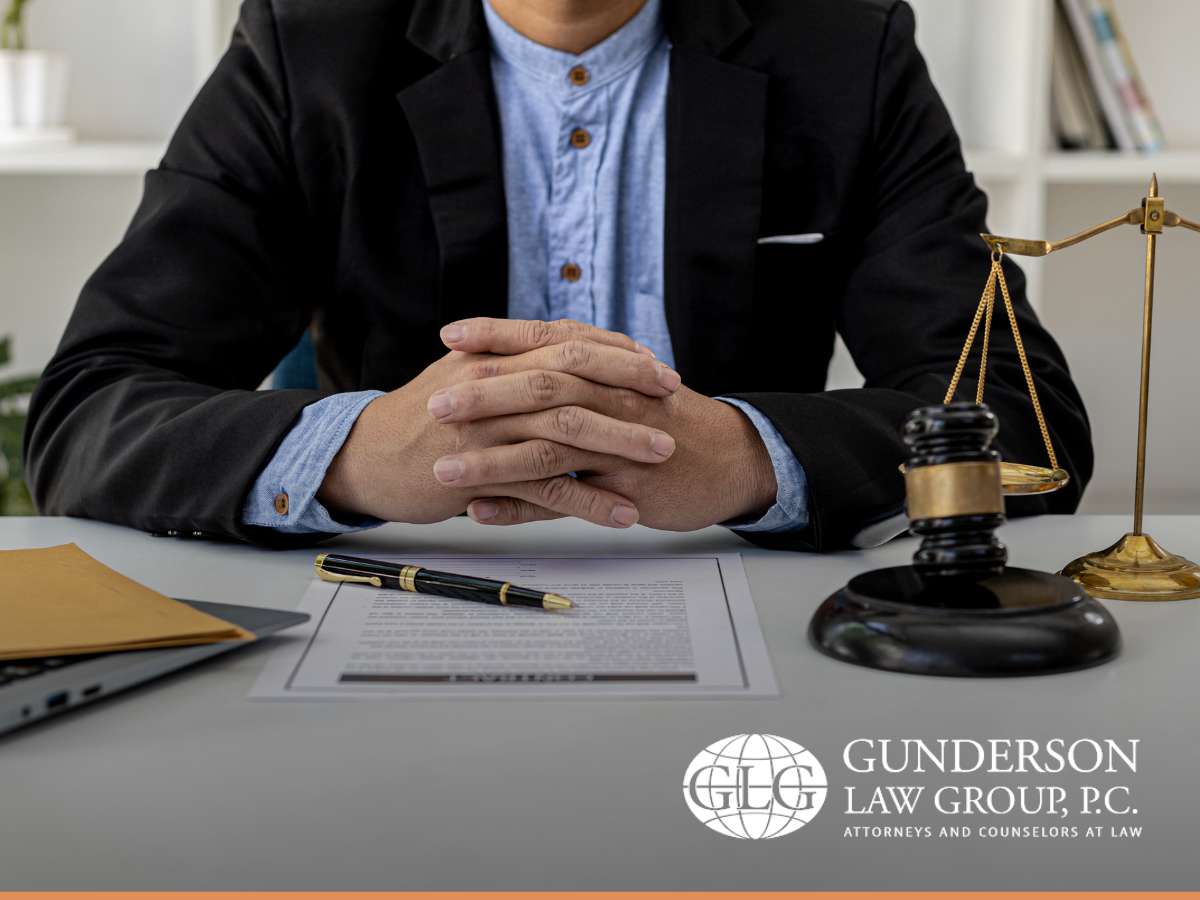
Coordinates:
x,y
1024,247
1174,220
1152,216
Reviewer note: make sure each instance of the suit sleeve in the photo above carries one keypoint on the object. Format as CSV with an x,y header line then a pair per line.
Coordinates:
x,y
904,314
148,413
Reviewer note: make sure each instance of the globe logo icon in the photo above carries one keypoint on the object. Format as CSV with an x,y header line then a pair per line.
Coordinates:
x,y
754,786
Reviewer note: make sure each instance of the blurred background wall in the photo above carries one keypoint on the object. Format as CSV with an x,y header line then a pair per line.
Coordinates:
x,y
136,63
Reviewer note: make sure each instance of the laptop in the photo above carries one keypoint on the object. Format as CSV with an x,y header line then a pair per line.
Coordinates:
x,y
35,689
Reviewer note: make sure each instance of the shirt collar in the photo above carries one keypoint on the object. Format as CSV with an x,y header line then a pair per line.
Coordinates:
x,y
610,59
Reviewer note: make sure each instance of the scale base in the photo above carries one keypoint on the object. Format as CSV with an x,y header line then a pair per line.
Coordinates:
x,y
1136,568
1018,622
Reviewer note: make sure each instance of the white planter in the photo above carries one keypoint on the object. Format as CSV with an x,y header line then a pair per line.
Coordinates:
x,y
9,66
33,94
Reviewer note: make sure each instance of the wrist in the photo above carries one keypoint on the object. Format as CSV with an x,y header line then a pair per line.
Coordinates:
x,y
340,491
753,487
335,492
762,488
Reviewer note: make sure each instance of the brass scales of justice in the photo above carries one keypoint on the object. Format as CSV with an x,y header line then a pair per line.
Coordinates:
x,y
1136,567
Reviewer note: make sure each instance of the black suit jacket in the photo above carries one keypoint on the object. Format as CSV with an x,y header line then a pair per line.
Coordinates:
x,y
342,167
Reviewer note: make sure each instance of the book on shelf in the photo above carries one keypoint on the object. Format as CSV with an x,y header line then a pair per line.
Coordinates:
x,y
1133,88
1077,118
1111,86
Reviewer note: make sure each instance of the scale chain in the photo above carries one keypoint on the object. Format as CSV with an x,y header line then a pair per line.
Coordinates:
x,y
1033,395
985,312
989,296
966,350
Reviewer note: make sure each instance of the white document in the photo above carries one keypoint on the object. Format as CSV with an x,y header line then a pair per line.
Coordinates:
x,y
642,626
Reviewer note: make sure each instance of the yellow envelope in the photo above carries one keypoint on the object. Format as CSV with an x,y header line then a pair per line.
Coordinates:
x,y
58,601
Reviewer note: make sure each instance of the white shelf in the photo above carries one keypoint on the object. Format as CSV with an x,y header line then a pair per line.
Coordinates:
x,y
1085,167
1111,167
82,158
1180,167
996,165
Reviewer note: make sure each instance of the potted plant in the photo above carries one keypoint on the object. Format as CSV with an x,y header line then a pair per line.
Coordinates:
x,y
33,83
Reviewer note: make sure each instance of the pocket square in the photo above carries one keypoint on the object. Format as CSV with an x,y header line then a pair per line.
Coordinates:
x,y
814,237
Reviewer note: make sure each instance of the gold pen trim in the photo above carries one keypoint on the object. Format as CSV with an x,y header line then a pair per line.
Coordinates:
x,y
556,601
504,593
408,578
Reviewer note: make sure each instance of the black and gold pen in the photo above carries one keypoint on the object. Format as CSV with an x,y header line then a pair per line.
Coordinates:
x,y
418,580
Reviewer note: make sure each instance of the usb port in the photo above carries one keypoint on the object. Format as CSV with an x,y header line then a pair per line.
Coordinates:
x,y
90,691
55,701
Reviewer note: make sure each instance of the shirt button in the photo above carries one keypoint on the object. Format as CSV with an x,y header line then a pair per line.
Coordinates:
x,y
580,138
281,503
578,76
571,272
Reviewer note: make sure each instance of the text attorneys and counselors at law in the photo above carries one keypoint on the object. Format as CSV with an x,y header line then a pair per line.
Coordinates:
x,y
425,183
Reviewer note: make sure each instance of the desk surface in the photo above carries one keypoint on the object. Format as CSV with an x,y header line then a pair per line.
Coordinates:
x,y
186,784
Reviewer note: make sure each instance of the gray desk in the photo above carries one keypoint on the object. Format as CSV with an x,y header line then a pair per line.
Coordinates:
x,y
185,784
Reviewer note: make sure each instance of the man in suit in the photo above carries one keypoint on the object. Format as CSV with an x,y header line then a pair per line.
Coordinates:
x,y
559,258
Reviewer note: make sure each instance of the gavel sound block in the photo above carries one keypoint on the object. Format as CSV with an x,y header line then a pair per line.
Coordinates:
x,y
959,609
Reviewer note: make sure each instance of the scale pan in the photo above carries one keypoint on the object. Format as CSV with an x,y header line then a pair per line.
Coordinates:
x,y
1021,479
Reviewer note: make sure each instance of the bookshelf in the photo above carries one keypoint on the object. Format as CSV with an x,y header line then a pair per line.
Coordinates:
x,y
135,65
63,208
194,44
992,63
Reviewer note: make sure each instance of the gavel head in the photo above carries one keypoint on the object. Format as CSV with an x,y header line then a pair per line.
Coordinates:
x,y
955,500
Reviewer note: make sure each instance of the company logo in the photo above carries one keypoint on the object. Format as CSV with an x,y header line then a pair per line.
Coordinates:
x,y
754,786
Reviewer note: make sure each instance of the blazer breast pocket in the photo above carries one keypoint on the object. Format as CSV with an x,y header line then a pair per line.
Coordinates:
x,y
803,239
797,269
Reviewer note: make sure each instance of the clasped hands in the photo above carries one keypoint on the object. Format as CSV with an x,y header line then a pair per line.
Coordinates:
x,y
497,426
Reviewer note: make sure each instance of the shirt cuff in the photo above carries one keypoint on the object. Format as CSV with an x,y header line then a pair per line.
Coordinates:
x,y
284,497
790,510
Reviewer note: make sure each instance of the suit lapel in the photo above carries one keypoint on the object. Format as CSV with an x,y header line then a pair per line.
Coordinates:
x,y
716,116
456,126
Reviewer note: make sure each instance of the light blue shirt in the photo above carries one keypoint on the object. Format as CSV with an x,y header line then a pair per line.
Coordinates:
x,y
584,176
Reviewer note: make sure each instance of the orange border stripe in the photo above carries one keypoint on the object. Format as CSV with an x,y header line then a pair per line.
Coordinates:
x,y
598,895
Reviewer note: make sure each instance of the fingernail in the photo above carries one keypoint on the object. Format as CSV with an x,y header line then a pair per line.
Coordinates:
x,y
662,443
668,377
441,404
448,470
452,334
625,515
483,510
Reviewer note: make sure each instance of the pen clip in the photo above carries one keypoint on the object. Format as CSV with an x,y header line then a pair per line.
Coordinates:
x,y
373,580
